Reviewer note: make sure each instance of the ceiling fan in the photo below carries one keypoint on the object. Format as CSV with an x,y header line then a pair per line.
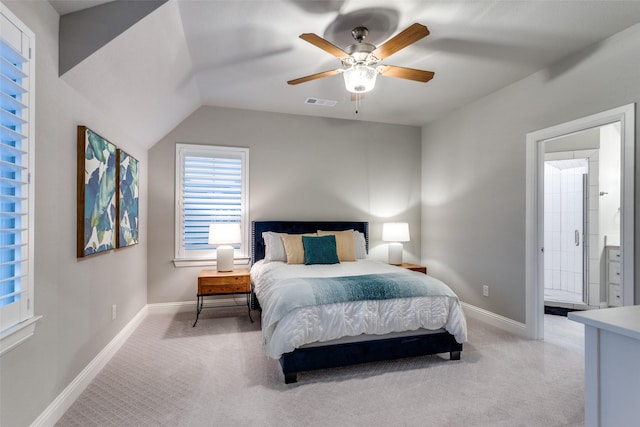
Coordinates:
x,y
360,61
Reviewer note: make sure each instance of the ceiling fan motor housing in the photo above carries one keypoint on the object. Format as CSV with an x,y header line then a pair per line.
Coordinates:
x,y
360,52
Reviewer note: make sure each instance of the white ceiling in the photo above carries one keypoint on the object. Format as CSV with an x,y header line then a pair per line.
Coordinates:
x,y
240,54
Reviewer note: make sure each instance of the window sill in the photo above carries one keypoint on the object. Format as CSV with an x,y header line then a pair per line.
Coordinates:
x,y
16,335
237,262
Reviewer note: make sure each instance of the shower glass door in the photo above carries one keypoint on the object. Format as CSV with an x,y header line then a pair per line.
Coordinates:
x,y
565,209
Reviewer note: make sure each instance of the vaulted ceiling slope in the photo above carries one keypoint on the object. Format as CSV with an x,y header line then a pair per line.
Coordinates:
x,y
240,54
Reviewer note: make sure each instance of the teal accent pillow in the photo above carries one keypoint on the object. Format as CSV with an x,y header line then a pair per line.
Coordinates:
x,y
320,250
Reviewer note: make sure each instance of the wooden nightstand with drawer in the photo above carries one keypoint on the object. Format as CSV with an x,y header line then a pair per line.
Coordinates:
x,y
213,282
414,267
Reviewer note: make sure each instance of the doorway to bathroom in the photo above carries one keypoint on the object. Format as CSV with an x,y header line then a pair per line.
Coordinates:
x,y
609,244
581,181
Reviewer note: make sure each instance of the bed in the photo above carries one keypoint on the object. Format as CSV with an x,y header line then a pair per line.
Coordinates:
x,y
307,337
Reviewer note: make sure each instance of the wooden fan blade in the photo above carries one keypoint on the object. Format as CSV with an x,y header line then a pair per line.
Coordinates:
x,y
407,73
401,40
313,77
328,47
357,97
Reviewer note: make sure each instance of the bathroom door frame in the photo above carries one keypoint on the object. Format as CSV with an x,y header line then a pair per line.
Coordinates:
x,y
534,238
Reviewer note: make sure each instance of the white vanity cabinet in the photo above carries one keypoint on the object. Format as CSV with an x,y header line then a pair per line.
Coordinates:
x,y
612,377
612,275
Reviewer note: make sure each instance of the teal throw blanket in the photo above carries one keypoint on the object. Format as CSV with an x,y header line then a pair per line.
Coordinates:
x,y
289,294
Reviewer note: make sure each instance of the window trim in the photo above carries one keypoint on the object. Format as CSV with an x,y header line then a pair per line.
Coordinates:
x,y
15,334
240,256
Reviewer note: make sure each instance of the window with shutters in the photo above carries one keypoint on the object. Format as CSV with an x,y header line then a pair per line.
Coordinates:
x,y
211,186
16,180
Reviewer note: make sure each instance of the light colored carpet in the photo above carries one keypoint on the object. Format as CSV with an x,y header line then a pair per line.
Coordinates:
x,y
216,374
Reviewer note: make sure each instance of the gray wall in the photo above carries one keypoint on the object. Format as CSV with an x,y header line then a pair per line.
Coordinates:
x,y
301,168
73,296
473,169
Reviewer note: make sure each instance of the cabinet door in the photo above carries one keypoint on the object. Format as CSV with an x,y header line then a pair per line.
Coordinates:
x,y
613,255
614,272
614,296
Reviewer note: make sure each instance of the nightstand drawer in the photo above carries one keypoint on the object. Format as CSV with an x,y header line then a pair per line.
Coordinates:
x,y
241,280
224,289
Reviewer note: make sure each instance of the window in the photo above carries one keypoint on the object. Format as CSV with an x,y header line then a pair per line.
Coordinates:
x,y
16,179
211,186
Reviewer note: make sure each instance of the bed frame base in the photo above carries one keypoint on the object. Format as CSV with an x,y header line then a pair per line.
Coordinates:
x,y
332,356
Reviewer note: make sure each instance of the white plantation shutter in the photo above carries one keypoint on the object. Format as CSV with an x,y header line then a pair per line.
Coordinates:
x,y
211,186
16,167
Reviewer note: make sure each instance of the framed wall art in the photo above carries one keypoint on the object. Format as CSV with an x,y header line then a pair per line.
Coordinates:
x,y
127,199
97,185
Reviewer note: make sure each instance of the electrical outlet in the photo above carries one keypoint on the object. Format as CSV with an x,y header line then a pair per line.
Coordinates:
x,y
485,290
113,312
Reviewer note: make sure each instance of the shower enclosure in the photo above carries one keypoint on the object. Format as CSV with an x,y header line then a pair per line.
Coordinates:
x,y
565,211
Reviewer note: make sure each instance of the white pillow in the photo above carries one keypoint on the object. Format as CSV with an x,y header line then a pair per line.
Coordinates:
x,y
360,244
274,248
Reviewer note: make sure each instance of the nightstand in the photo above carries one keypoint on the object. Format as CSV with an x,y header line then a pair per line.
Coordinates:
x,y
414,267
213,282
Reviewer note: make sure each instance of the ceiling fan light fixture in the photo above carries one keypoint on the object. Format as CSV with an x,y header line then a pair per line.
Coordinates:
x,y
360,78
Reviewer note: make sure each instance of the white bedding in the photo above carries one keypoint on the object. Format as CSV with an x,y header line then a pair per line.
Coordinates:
x,y
327,322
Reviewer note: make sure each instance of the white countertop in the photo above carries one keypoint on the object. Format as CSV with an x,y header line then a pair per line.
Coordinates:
x,y
621,320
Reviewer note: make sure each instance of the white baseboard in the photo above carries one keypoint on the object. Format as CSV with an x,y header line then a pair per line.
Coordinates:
x,y
172,307
183,306
496,320
57,408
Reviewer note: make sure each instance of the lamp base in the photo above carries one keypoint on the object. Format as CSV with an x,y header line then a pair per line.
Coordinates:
x,y
224,258
395,253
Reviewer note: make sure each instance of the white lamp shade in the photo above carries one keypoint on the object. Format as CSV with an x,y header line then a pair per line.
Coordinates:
x,y
395,232
360,78
224,233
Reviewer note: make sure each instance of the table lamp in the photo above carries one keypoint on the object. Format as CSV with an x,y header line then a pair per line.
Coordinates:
x,y
395,232
224,235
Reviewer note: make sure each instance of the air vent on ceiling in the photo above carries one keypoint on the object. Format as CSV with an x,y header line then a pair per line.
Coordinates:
x,y
323,102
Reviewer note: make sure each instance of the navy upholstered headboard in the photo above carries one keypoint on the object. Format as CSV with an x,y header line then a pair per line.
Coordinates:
x,y
297,227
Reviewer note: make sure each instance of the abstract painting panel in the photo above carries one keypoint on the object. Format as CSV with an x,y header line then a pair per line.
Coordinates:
x,y
96,193
128,200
